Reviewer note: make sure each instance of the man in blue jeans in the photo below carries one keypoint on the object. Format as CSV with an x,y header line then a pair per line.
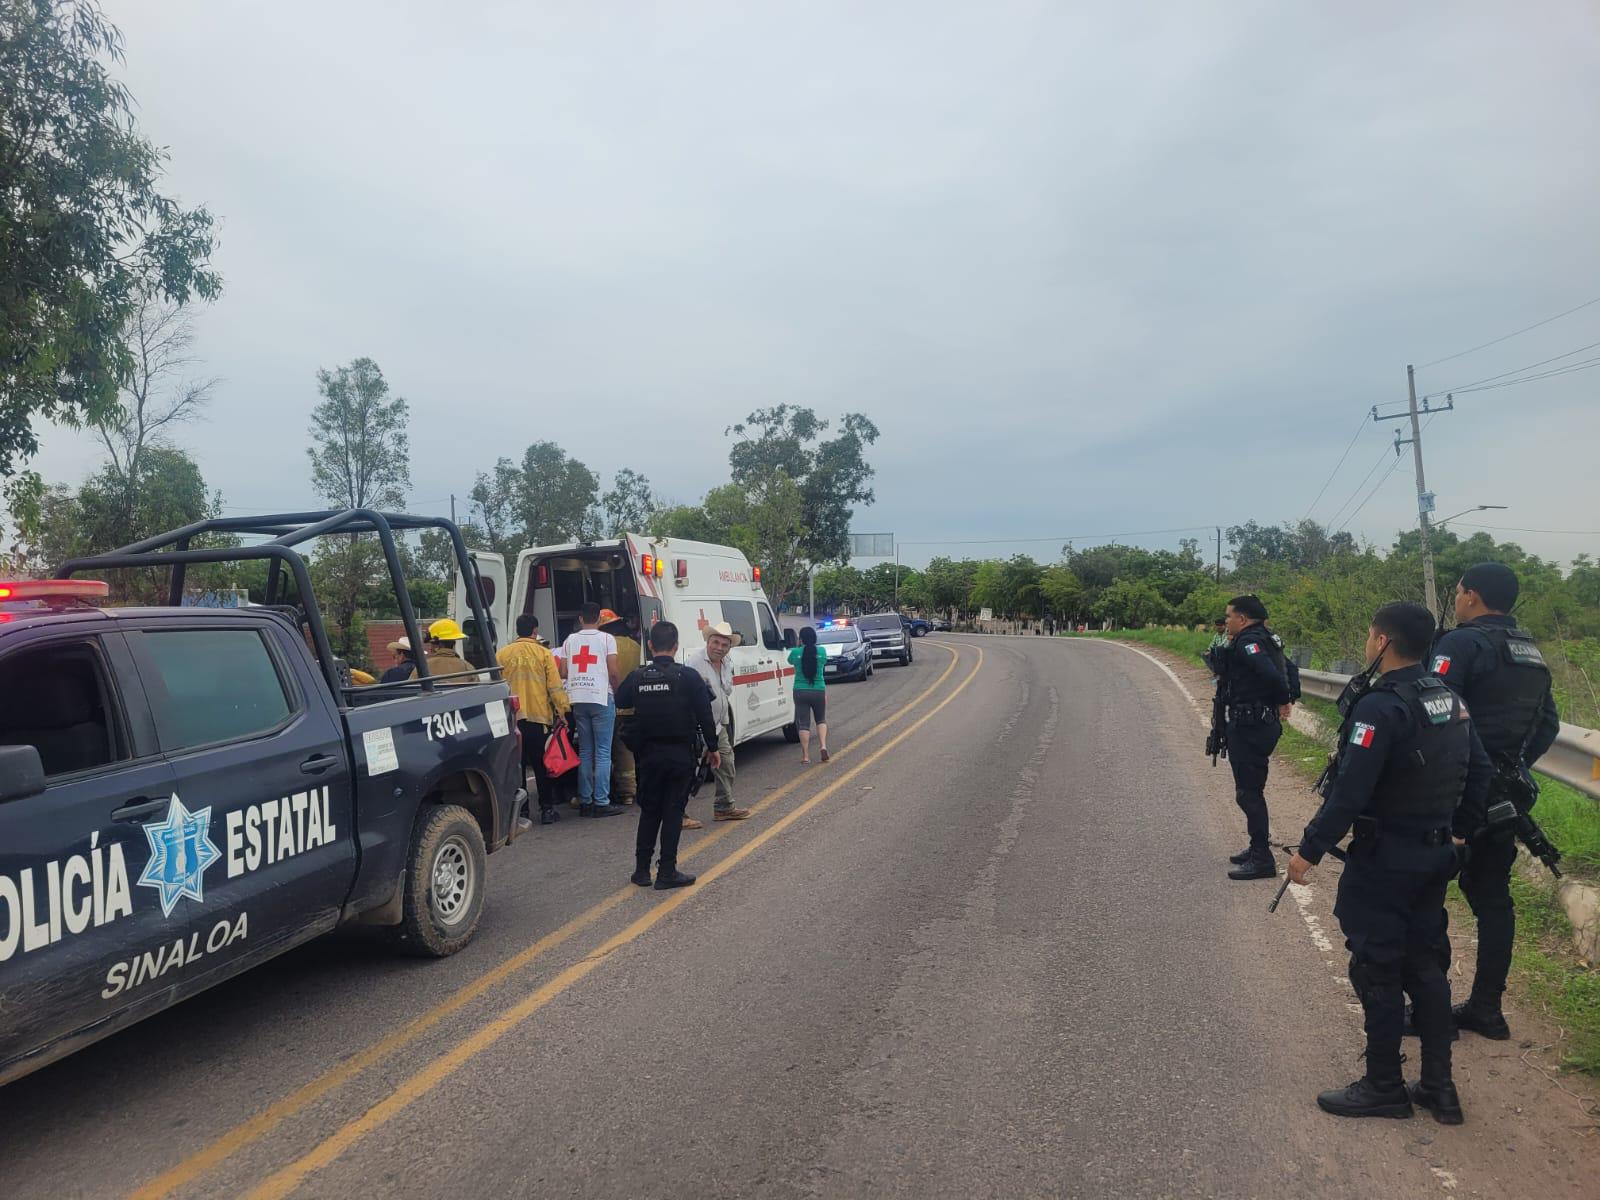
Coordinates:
x,y
588,663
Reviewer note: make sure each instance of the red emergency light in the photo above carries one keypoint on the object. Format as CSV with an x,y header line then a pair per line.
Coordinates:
x,y
55,589
756,574
680,568
647,565
541,575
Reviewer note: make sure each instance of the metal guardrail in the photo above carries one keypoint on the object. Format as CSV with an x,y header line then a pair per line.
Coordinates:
x,y
1574,759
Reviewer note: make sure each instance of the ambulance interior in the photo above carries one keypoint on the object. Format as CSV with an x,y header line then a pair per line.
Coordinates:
x,y
561,584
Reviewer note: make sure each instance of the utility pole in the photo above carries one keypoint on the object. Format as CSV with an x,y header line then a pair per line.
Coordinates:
x,y
452,508
1219,553
1424,496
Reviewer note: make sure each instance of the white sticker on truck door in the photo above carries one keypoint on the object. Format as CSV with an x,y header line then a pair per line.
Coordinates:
x,y
379,747
495,710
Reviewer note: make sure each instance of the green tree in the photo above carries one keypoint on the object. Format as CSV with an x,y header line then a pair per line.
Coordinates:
x,y
360,456
544,500
1063,592
831,474
949,584
1131,603
629,505
84,232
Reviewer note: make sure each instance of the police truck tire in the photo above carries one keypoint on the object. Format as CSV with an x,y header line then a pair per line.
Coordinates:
x,y
444,883
791,733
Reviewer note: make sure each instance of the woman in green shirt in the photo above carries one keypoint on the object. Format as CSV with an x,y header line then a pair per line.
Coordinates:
x,y
810,693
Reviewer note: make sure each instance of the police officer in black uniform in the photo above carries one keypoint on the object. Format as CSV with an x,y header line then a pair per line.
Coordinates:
x,y
1496,668
1411,780
1254,678
670,725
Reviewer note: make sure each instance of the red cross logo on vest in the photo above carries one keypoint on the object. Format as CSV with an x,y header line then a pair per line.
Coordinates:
x,y
584,659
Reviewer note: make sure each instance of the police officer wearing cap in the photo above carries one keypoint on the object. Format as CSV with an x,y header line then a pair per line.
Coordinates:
x,y
1410,779
1496,668
671,722
1258,686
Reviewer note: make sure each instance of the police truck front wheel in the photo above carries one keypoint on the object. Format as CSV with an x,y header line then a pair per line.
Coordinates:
x,y
444,882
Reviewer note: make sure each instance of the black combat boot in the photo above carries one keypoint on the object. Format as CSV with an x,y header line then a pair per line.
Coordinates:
x,y
1482,1020
668,878
1367,1097
1410,1027
1242,856
548,816
1258,865
641,871
1439,1098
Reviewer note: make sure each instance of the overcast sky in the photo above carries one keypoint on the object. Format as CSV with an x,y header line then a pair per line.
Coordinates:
x,y
1091,267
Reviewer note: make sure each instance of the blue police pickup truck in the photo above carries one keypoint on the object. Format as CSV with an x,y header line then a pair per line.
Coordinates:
x,y
186,792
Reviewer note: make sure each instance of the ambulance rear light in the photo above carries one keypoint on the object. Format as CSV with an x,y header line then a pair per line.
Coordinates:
x,y
680,568
755,577
541,575
55,589
652,567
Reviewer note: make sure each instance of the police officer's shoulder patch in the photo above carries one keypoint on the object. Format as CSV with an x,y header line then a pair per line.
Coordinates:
x,y
1441,664
1252,648
1361,734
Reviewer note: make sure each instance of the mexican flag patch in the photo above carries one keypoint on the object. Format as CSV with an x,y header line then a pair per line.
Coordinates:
x,y
1361,735
1441,665
1253,648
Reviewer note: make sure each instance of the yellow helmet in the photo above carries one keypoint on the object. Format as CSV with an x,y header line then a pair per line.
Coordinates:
x,y
445,631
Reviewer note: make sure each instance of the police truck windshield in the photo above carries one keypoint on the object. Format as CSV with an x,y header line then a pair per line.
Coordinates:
x,y
837,637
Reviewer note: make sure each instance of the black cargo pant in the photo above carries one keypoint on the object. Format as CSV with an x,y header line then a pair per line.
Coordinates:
x,y
1486,883
1250,746
665,773
1390,907
533,736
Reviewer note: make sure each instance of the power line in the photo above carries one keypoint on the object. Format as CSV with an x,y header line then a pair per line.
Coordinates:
x,y
1587,364
1364,419
1071,537
1383,454
1473,386
1375,489
1516,529
1509,336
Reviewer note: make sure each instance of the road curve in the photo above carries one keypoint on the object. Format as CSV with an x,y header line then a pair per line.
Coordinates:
x,y
987,951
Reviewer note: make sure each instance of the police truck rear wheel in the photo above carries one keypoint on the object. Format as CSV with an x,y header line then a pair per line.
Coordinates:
x,y
444,882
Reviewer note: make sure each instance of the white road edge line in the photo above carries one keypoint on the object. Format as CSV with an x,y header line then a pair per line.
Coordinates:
x,y
1301,894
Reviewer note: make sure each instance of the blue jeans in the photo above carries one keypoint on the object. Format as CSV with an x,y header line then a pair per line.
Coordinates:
x,y
596,722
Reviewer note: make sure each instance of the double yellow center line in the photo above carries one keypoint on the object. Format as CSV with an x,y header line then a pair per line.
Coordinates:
x,y
285,1180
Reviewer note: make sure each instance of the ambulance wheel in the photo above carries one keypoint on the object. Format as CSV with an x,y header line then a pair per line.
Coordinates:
x,y
791,733
444,882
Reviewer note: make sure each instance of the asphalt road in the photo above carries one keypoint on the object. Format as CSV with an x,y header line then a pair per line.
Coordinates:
x,y
989,950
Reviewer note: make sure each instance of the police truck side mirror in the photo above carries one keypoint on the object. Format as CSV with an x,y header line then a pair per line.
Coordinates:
x,y
21,772
789,640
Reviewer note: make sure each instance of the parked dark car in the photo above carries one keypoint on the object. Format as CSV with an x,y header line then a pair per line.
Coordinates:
x,y
916,626
849,656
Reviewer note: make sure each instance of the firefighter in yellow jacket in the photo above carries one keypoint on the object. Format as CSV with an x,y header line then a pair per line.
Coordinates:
x,y
531,674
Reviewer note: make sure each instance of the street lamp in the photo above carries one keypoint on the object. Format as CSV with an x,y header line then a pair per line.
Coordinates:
x,y
1465,511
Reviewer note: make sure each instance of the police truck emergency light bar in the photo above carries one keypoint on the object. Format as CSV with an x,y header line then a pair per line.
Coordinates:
x,y
53,589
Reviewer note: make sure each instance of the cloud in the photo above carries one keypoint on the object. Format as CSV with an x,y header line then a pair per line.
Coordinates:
x,y
1090,267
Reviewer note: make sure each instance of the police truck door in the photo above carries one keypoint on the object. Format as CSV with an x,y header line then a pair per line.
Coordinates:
x,y
90,921
235,690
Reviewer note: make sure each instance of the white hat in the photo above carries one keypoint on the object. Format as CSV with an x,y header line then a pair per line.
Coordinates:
x,y
403,643
720,629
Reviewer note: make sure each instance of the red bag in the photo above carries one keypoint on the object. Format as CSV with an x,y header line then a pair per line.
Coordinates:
x,y
559,754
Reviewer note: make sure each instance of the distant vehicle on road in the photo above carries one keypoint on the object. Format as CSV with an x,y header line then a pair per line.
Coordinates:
x,y
848,655
886,633
188,792
916,626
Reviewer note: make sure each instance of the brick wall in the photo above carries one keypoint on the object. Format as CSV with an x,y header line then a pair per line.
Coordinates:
x,y
379,635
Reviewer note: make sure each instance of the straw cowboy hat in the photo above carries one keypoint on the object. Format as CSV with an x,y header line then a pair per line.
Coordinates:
x,y
720,629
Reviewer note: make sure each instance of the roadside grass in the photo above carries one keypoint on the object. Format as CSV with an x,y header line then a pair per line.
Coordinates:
x,y
1180,641
1546,970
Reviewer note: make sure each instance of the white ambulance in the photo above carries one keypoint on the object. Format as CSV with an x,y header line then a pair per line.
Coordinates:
x,y
691,584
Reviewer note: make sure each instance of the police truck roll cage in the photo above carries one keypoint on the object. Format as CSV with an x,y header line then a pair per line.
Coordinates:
x,y
288,530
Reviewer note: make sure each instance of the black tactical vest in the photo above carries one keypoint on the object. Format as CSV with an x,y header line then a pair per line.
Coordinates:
x,y
1506,702
1426,774
661,710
